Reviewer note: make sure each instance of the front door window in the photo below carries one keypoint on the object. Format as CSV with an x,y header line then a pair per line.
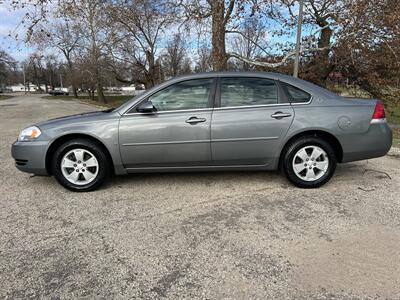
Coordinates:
x,y
191,94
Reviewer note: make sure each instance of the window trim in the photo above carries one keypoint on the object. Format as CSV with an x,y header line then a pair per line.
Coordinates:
x,y
132,110
251,106
282,98
169,111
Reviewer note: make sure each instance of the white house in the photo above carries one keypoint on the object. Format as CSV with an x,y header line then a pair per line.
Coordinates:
x,y
29,87
17,88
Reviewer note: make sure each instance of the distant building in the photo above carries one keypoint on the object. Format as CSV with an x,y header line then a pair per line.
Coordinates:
x,y
29,87
17,88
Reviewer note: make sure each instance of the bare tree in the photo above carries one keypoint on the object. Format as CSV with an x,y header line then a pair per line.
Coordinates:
x,y
52,71
138,28
36,13
6,65
91,22
35,69
248,41
204,60
220,14
175,60
64,36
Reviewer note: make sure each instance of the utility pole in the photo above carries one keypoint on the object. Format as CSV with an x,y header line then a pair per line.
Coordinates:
x,y
61,82
298,40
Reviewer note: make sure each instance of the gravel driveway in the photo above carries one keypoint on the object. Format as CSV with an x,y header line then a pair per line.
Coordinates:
x,y
204,235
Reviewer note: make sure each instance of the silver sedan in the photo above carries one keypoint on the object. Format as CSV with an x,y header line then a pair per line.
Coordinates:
x,y
210,122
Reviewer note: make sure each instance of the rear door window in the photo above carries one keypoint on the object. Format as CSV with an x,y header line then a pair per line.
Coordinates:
x,y
237,91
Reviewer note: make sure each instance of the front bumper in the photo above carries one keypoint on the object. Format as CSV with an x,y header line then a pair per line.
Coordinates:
x,y
30,157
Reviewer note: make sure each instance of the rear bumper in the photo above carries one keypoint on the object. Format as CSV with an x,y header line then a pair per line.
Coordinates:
x,y
30,157
376,142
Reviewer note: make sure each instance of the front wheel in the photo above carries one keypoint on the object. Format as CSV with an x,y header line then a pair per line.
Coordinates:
x,y
80,165
309,162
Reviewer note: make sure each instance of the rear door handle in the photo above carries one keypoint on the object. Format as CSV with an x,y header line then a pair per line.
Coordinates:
x,y
280,115
195,120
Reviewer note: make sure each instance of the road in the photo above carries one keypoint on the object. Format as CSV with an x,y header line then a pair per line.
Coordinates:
x,y
204,235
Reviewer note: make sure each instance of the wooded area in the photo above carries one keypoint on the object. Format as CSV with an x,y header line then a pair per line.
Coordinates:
x,y
98,43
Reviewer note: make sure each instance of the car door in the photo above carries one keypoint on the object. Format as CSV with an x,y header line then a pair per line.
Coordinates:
x,y
176,133
251,119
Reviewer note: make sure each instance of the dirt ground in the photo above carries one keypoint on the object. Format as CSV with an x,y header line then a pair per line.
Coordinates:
x,y
201,235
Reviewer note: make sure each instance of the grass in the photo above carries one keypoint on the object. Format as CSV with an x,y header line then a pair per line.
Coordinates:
x,y
392,112
396,137
112,100
5,97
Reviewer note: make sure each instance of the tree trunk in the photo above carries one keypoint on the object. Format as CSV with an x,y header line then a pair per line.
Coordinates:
x,y
325,42
152,76
322,63
74,89
100,94
218,55
71,71
91,93
148,82
99,85
319,68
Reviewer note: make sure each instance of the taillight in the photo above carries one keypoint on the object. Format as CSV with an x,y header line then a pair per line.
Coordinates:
x,y
379,112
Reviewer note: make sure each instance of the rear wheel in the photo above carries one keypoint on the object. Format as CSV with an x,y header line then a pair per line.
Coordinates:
x,y
80,165
309,162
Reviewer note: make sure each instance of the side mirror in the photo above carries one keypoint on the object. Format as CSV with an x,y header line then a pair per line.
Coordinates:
x,y
146,107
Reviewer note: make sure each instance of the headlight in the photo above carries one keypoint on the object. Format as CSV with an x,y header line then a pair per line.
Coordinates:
x,y
29,134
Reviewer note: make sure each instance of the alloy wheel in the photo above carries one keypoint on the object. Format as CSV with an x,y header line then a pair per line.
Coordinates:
x,y
310,163
79,166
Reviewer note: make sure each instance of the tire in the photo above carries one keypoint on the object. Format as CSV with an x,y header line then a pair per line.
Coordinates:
x,y
80,165
314,157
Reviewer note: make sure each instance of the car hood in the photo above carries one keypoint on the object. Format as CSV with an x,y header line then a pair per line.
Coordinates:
x,y
78,118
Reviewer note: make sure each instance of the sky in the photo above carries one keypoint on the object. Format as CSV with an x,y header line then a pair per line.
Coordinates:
x,y
10,27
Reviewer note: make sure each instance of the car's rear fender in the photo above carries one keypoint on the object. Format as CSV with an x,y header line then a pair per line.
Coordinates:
x,y
320,133
348,121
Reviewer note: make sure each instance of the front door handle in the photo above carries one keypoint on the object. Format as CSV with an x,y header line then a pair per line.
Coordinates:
x,y
280,115
195,120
